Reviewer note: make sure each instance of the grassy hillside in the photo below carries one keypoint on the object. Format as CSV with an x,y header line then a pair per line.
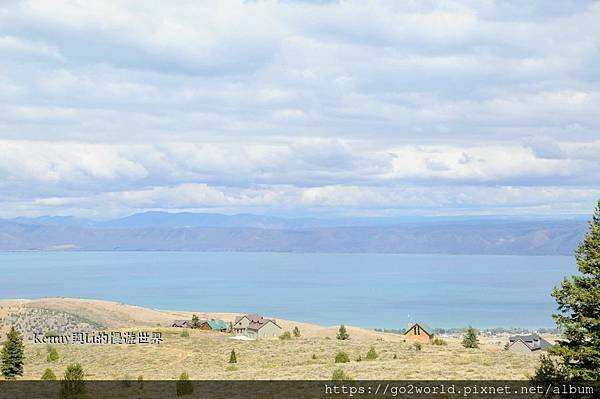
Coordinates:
x,y
205,355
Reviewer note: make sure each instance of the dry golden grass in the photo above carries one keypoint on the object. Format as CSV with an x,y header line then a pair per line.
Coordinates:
x,y
205,355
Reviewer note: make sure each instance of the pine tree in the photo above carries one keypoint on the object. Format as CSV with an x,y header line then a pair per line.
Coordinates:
x,y
72,385
12,355
296,332
232,357
470,340
195,321
578,299
342,333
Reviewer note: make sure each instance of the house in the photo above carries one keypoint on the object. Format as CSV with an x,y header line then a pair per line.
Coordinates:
x,y
255,326
527,343
213,325
419,332
182,324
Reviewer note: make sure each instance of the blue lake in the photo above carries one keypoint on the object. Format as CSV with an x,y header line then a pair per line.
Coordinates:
x,y
370,290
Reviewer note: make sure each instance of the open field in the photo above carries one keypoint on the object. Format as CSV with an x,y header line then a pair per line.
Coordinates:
x,y
205,355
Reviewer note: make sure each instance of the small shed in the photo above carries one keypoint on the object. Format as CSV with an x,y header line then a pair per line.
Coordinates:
x,y
419,332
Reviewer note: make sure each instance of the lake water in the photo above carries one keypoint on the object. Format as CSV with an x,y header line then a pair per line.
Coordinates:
x,y
370,290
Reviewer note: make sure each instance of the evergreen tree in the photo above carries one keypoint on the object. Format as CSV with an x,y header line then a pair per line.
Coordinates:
x,y
296,332
12,355
49,375
72,385
578,299
470,339
184,385
342,333
371,354
232,357
195,321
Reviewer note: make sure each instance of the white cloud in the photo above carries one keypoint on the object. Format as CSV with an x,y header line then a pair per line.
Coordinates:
x,y
203,104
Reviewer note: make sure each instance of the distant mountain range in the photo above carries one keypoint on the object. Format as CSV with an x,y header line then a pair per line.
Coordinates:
x,y
162,231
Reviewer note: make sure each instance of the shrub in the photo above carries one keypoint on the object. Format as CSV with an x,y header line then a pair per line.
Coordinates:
x,y
470,339
359,358
296,332
184,385
52,355
439,341
140,381
185,334
340,375
395,356
195,321
314,357
286,335
49,375
232,357
342,333
371,354
231,367
72,385
342,357
505,346
418,346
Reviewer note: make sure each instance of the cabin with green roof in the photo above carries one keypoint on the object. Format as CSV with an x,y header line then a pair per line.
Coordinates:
x,y
214,325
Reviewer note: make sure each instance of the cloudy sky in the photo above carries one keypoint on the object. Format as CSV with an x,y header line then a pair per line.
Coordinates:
x,y
299,107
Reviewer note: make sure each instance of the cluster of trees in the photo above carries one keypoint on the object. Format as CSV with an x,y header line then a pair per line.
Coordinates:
x,y
287,335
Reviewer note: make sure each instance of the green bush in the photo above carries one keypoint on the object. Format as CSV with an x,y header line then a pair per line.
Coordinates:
x,y
232,357
359,358
52,355
49,375
372,354
231,367
314,357
439,341
184,385
140,381
286,335
72,385
395,356
296,332
342,357
340,375
184,334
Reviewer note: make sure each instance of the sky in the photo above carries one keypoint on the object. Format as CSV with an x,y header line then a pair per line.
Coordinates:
x,y
299,108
